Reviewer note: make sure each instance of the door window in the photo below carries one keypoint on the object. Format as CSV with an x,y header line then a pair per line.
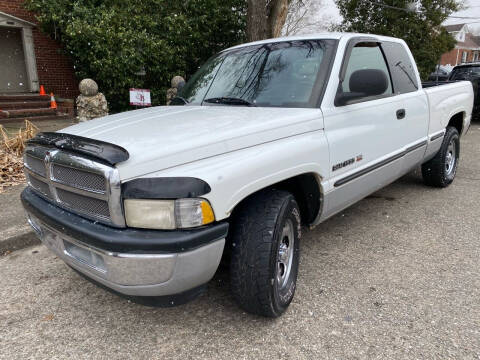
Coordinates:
x,y
366,75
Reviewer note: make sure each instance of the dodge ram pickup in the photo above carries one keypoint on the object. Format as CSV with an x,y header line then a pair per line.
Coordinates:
x,y
268,136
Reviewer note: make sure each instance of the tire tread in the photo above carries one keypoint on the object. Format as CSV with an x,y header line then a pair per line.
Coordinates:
x,y
433,171
252,251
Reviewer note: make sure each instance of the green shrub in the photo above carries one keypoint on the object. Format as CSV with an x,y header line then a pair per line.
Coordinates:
x,y
112,40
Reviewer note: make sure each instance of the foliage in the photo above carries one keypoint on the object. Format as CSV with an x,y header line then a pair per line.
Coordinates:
x,y
112,40
421,29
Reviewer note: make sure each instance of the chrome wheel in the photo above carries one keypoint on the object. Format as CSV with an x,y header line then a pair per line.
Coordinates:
x,y
451,157
285,254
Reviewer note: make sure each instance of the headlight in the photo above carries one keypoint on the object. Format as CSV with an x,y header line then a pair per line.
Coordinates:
x,y
168,214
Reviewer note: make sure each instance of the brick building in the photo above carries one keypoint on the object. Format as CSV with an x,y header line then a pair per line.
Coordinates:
x,y
467,48
29,58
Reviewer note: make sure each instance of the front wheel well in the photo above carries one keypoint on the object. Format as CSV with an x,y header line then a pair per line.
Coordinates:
x,y
307,192
456,121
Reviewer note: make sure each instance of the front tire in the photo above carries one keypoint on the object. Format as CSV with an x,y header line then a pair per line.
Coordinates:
x,y
441,170
265,253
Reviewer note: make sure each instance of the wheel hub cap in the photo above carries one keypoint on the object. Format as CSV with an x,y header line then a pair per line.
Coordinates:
x,y
451,157
285,254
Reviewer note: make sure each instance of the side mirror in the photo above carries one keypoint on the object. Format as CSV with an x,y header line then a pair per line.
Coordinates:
x,y
346,98
363,83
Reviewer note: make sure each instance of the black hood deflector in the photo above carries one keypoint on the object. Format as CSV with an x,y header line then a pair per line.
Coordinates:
x,y
100,150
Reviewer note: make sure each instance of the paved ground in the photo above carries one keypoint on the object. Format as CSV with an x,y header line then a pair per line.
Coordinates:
x,y
15,233
396,276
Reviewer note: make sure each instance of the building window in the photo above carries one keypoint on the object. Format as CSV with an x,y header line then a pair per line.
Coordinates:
x,y
464,57
475,56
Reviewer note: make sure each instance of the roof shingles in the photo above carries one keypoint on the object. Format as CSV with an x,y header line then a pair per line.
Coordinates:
x,y
471,42
454,27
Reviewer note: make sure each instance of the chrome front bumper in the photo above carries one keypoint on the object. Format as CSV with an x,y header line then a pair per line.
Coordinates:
x,y
134,274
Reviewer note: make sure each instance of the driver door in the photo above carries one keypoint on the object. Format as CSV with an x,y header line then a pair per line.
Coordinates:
x,y
364,147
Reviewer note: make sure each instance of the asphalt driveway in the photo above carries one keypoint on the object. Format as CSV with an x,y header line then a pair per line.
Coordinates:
x,y
396,276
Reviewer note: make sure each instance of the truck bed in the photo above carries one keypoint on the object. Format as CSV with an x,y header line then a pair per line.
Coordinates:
x,y
447,100
428,84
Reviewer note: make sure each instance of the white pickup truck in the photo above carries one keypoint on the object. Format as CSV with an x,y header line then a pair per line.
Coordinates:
x,y
269,136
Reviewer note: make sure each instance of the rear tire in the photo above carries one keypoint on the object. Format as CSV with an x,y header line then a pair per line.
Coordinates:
x,y
265,253
440,171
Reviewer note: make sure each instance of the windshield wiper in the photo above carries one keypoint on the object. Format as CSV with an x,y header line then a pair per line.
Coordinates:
x,y
229,101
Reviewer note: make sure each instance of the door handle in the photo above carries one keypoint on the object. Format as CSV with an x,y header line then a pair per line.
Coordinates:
x,y
400,114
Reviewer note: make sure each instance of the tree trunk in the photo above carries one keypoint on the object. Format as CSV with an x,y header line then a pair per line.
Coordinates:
x,y
265,18
277,16
256,20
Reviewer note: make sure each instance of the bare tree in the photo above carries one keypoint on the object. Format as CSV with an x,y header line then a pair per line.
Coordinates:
x,y
266,18
305,16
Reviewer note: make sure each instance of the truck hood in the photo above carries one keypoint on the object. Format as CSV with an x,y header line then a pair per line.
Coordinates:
x,y
163,137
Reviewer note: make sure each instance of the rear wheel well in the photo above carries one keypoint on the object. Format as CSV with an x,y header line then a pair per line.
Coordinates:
x,y
306,190
457,122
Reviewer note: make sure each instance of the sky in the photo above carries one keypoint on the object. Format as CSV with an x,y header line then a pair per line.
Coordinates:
x,y
330,11
472,13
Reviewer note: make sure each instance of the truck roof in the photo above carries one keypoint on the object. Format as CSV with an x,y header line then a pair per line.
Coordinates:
x,y
315,36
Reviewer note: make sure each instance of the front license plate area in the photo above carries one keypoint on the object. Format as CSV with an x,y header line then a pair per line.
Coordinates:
x,y
52,241
66,249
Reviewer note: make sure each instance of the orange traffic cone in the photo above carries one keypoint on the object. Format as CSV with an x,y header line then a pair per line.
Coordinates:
x,y
53,103
42,90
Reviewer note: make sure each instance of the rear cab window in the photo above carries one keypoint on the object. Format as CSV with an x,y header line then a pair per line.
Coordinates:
x,y
401,67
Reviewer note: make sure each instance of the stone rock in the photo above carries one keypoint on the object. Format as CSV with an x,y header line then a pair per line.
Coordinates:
x,y
177,80
177,83
88,87
90,104
91,107
171,93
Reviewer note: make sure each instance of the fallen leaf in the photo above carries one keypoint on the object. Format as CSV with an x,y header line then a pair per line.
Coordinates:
x,y
48,317
11,149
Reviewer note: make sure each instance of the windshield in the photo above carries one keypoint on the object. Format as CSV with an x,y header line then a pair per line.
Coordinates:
x,y
284,74
465,73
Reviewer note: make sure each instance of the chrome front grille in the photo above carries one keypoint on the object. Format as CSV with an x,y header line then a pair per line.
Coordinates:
x,y
78,184
78,178
36,165
84,204
39,185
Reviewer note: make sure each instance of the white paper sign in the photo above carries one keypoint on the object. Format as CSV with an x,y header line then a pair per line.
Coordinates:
x,y
140,97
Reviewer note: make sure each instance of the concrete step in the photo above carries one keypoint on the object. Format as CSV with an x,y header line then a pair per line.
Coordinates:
x,y
40,118
32,104
23,97
16,113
